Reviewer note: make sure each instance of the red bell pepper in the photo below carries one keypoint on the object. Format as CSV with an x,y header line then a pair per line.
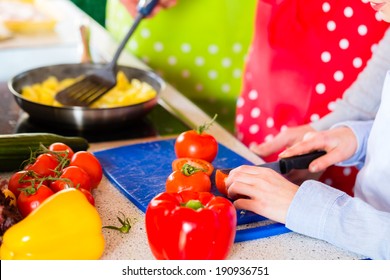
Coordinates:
x,y
190,226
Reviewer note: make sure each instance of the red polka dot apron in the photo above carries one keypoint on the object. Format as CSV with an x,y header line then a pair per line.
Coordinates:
x,y
304,55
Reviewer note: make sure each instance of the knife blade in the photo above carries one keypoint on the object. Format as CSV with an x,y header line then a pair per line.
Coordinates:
x,y
285,165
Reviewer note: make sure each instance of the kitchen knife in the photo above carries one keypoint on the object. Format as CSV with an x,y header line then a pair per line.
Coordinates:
x,y
285,165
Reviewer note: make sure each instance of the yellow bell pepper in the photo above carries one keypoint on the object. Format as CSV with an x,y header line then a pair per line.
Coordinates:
x,y
65,226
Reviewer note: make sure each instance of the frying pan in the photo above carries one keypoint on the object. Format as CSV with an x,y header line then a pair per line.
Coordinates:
x,y
82,118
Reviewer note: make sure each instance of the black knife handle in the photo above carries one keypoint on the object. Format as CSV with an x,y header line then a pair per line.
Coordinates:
x,y
299,162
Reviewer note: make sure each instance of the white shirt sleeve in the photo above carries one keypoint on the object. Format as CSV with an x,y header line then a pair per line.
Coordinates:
x,y
361,100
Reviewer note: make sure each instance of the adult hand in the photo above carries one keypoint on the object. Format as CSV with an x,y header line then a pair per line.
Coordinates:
x,y
281,141
261,190
340,144
131,6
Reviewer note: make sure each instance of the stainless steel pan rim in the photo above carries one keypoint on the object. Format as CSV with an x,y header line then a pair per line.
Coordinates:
x,y
82,118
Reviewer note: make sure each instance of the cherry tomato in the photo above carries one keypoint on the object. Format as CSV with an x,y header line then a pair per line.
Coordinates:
x,y
196,145
72,177
197,181
29,200
220,181
19,180
205,166
88,195
44,165
63,149
90,164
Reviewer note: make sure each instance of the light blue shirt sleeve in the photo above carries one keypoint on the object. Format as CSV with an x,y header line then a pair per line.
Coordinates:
x,y
322,212
361,129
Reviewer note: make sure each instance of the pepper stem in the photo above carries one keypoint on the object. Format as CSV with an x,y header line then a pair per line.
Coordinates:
x,y
193,204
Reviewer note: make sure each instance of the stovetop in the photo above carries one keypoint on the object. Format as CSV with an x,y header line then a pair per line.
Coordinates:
x,y
158,122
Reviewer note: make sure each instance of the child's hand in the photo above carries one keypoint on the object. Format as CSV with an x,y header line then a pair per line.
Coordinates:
x,y
261,190
131,6
340,144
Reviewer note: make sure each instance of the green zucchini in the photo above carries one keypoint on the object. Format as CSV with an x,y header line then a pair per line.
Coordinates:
x,y
16,148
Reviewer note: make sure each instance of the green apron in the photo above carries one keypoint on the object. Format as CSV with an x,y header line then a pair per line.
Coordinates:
x,y
198,46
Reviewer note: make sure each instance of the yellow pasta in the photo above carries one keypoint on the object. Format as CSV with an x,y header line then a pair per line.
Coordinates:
x,y
123,94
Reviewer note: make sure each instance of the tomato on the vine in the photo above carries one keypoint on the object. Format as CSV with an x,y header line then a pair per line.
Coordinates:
x,y
88,196
20,180
90,164
72,177
189,179
30,198
197,144
62,149
205,166
44,165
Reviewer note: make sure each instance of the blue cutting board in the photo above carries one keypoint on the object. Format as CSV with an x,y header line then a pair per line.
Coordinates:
x,y
140,170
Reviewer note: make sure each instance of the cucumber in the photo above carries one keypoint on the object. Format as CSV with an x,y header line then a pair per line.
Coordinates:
x,y
16,148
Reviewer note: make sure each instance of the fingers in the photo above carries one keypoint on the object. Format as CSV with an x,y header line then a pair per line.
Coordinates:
x,y
285,138
270,147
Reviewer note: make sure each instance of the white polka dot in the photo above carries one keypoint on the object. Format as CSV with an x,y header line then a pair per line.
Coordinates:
x,y
145,33
199,87
338,76
254,128
225,88
328,182
158,46
326,56
314,117
253,95
237,47
133,45
213,49
331,106
199,61
270,122
237,73
320,88
347,171
357,62
374,47
348,12
240,102
255,112
186,48
239,119
325,7
226,62
283,128
331,25
362,30
268,138
344,44
378,16
185,73
212,74
172,60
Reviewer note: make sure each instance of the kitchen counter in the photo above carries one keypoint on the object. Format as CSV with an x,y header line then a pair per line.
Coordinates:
x,y
180,113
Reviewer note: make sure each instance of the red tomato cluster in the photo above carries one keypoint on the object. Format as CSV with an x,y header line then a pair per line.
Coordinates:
x,y
57,168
